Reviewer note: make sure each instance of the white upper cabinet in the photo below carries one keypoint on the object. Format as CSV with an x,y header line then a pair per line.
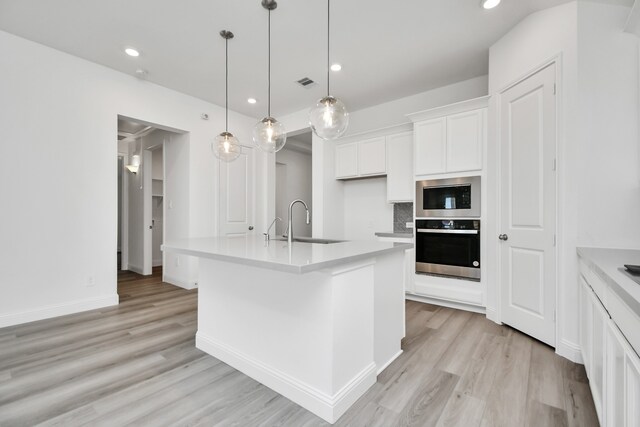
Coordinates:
x,y
400,183
372,157
431,146
346,161
464,141
361,159
450,138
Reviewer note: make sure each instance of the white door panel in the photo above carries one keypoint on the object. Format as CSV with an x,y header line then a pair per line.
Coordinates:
x,y
236,196
528,205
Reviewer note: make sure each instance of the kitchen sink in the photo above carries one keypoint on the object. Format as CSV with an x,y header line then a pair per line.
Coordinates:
x,y
310,240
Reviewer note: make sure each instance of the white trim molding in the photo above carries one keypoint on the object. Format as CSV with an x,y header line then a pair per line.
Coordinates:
x,y
327,407
185,284
433,113
569,350
446,303
56,310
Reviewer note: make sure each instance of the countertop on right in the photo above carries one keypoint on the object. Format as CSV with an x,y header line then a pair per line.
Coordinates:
x,y
609,265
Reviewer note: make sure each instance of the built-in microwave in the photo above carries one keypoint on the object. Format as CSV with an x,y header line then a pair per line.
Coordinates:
x,y
448,198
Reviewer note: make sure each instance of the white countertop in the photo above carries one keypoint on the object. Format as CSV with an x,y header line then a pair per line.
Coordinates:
x,y
609,265
400,235
276,255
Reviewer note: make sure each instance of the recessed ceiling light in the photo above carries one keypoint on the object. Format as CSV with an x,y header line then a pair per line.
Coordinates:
x,y
490,4
336,67
252,100
132,52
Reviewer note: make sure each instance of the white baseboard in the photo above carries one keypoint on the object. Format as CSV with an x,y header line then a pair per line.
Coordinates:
x,y
445,303
447,289
389,362
492,314
569,350
327,407
56,310
179,282
135,269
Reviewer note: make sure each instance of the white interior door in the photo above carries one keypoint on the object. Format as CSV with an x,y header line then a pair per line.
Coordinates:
x,y
528,205
236,196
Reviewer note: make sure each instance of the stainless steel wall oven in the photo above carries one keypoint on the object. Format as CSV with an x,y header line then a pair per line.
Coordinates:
x,y
448,247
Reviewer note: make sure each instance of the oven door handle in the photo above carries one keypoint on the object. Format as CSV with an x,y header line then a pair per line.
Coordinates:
x,y
438,231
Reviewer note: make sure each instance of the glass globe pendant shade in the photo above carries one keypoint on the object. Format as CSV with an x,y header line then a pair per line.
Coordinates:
x,y
269,135
329,118
226,147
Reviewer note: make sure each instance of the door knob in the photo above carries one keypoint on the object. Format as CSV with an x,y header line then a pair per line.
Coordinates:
x,y
251,228
503,237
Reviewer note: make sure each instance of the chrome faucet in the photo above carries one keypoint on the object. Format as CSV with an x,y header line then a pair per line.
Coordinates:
x,y
266,235
289,234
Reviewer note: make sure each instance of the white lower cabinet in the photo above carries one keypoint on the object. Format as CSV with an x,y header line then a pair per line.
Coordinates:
x,y
612,365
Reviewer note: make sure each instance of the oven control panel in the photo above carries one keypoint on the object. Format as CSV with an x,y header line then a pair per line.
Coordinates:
x,y
448,224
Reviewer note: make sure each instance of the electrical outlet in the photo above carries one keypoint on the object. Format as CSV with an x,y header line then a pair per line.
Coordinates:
x,y
91,281
409,225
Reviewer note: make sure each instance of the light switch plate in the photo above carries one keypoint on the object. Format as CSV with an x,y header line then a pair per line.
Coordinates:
x,y
409,225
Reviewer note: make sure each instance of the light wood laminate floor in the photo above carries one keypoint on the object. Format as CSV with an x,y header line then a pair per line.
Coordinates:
x,y
137,364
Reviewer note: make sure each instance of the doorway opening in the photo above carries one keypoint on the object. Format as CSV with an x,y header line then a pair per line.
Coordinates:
x,y
294,181
152,163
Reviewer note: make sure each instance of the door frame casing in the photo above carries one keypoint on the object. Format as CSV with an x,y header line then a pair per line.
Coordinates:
x,y
123,193
559,214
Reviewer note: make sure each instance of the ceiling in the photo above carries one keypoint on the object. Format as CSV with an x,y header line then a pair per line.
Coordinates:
x,y
388,50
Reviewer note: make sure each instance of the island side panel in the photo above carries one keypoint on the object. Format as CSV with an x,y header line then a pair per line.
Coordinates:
x,y
389,308
280,329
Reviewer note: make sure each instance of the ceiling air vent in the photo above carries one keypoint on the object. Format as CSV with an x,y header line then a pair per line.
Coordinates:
x,y
306,82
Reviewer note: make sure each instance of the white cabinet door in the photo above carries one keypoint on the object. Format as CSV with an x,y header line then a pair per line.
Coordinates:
x,y
346,161
614,376
586,313
372,157
465,134
430,143
400,183
596,372
632,392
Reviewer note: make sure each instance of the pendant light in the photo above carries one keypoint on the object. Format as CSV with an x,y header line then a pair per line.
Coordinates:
x,y
269,134
226,147
329,118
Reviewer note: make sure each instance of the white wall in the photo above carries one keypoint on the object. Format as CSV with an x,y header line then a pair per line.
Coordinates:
x,y
157,204
599,199
609,188
394,112
139,190
45,93
296,186
366,210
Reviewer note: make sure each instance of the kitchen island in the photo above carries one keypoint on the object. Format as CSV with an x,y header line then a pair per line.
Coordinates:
x,y
315,322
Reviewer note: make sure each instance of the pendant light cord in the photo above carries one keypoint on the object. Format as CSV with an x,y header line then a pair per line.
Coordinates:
x,y
328,45
226,84
269,68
